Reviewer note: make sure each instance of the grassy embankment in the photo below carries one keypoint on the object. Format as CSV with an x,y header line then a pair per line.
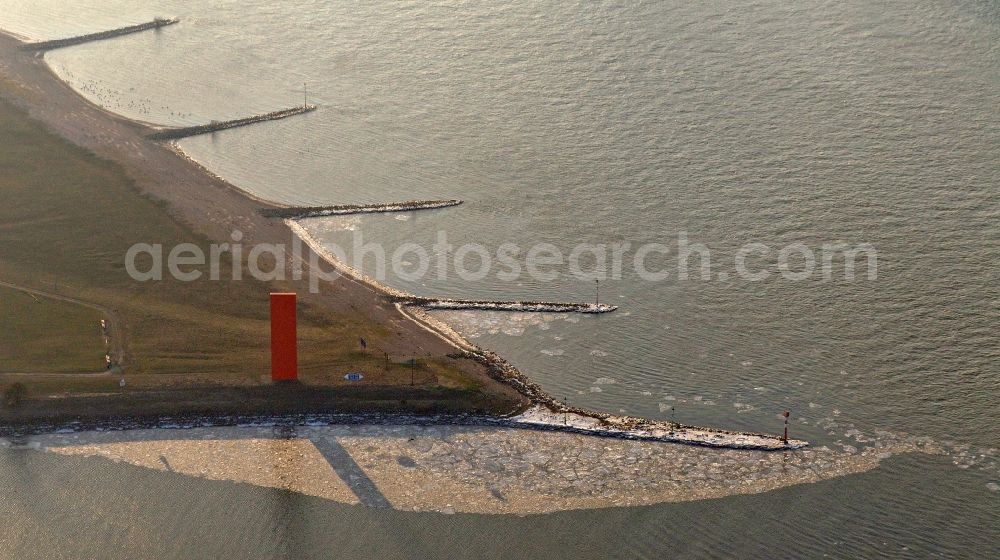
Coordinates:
x,y
66,222
42,334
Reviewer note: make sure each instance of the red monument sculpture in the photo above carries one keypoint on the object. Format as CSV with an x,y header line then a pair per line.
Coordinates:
x,y
284,348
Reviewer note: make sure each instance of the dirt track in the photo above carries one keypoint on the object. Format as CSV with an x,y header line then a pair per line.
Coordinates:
x,y
116,342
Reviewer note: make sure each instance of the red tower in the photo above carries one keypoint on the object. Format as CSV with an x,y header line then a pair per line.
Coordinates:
x,y
284,349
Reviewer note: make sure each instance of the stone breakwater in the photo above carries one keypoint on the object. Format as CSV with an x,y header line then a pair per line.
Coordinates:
x,y
178,133
520,306
42,46
298,212
629,427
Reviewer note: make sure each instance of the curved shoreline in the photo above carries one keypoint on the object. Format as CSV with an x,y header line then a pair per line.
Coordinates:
x,y
432,303
497,367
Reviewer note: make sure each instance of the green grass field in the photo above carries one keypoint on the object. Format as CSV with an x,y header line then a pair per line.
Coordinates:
x,y
68,218
39,334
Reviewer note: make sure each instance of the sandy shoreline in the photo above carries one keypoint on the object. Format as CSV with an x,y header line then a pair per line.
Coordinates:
x,y
212,206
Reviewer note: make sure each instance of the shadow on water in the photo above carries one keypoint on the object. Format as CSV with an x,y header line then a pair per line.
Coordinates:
x,y
351,473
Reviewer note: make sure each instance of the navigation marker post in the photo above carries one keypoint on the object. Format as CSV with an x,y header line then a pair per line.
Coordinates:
x,y
786,415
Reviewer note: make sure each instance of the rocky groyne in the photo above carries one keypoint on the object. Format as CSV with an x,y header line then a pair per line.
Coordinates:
x,y
521,306
184,132
298,212
42,46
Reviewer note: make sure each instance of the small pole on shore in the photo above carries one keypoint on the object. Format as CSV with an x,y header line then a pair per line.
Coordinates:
x,y
305,95
597,283
786,415
413,367
566,411
387,362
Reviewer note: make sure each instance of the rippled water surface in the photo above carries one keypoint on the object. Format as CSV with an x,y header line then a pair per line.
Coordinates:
x,y
604,122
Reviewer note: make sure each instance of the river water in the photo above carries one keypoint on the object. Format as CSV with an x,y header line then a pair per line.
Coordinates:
x,y
637,122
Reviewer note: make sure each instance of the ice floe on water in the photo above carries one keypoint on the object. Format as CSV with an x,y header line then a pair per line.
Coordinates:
x,y
557,464
743,407
841,434
475,324
331,224
556,352
478,469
